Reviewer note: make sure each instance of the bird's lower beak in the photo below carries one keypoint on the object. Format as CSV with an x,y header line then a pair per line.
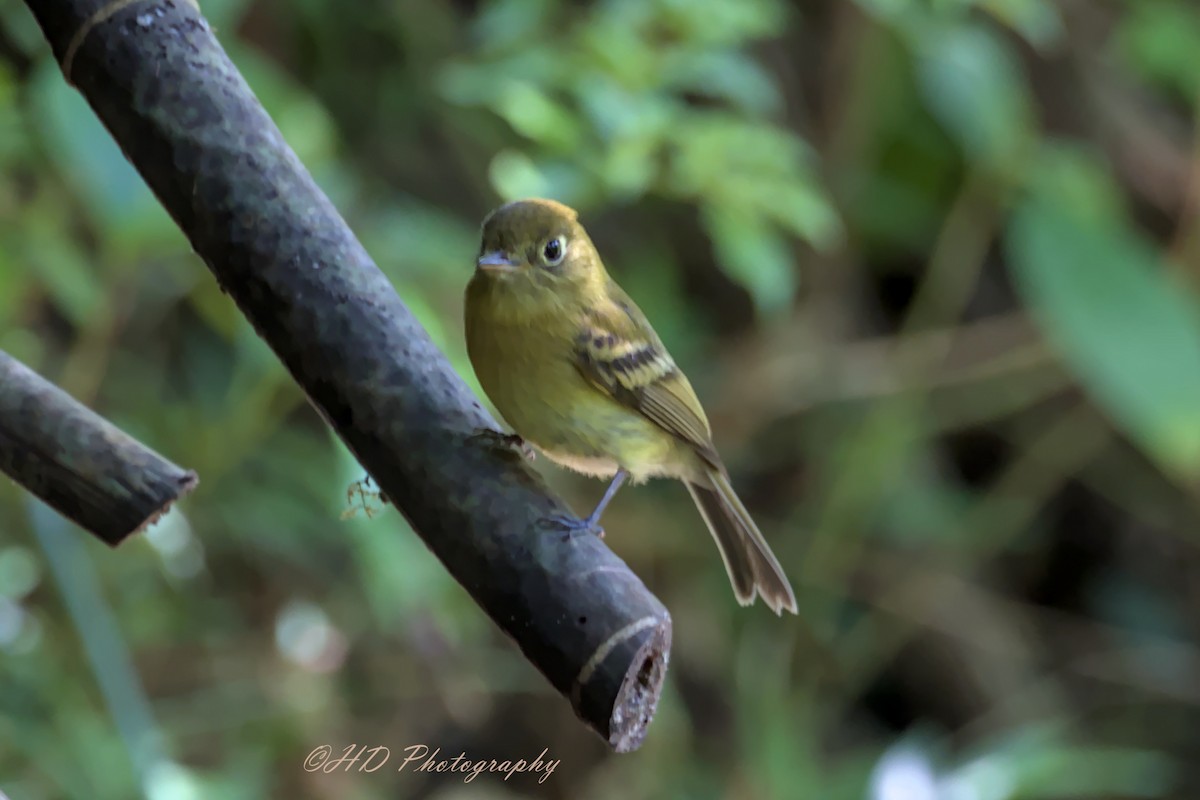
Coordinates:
x,y
495,262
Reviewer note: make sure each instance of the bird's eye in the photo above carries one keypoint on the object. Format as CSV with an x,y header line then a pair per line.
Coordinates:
x,y
554,250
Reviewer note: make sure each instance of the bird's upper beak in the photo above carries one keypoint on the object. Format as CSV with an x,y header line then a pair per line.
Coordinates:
x,y
495,262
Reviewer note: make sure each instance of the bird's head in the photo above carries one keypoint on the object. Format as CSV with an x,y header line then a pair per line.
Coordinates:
x,y
536,252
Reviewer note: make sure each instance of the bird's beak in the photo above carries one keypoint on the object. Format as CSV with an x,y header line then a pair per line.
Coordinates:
x,y
495,262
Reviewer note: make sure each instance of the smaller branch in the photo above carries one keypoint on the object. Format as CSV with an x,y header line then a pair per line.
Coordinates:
x,y
97,476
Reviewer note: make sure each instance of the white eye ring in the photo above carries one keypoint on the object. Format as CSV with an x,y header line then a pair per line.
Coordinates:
x,y
554,251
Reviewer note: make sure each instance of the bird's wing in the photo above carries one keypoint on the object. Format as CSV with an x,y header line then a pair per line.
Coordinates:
x,y
620,354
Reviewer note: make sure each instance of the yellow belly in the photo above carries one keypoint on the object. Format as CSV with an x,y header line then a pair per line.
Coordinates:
x,y
549,403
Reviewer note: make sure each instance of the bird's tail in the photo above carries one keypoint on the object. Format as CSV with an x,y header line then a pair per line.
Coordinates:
x,y
748,559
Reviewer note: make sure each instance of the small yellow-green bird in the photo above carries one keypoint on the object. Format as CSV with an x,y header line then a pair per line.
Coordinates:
x,y
576,369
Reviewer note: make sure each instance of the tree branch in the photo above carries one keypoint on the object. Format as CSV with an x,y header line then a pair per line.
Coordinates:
x,y
160,82
77,462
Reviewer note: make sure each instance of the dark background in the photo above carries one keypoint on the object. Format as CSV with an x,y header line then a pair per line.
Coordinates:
x,y
933,268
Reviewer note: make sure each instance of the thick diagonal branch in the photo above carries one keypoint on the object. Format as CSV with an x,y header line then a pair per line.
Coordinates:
x,y
77,462
184,116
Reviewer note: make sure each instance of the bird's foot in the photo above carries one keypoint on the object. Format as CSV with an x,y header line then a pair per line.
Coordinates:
x,y
509,442
572,525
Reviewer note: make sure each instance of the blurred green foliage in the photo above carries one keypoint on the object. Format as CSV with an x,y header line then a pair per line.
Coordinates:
x,y
933,266
652,97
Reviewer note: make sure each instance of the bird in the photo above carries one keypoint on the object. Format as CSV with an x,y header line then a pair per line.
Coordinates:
x,y
576,369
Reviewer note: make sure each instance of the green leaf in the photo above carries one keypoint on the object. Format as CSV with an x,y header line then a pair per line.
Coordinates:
x,y
1040,22
975,88
721,21
728,76
1130,332
535,115
507,24
1161,40
514,175
803,209
67,276
115,195
754,254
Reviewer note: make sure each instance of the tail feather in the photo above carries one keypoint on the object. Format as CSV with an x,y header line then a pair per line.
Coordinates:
x,y
729,542
751,565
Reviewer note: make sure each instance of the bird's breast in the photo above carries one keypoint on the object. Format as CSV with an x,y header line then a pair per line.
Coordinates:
x,y
531,377
527,375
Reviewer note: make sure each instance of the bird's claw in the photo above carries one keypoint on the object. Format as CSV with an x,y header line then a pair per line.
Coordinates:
x,y
510,442
571,525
